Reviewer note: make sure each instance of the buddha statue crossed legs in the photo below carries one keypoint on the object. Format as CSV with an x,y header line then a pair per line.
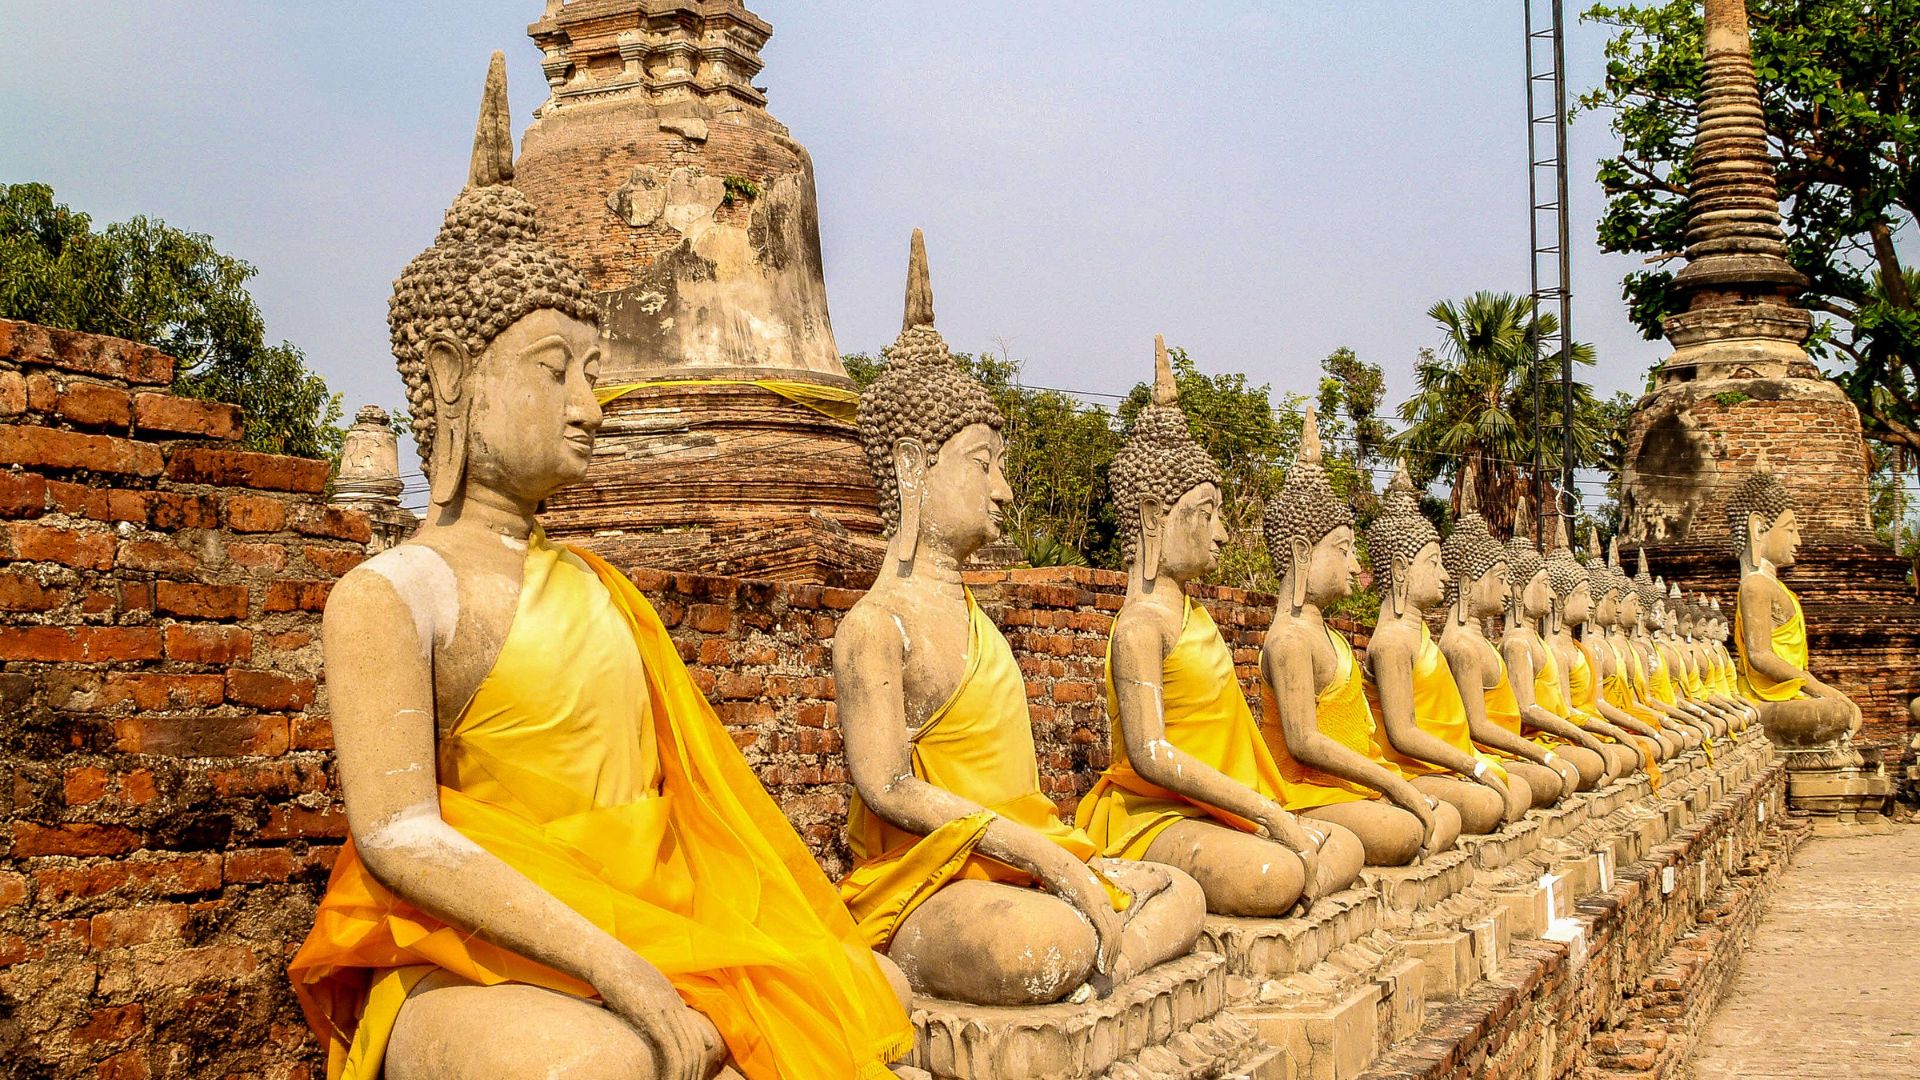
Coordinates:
x,y
965,874
1420,708
1192,783
552,835
1318,724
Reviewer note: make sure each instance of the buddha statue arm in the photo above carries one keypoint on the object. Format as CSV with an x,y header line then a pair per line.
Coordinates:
x,y
1287,664
1519,651
382,696
869,662
1759,594
1138,657
1390,657
1469,659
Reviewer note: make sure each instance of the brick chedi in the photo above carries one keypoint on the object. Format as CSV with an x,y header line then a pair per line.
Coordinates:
x,y
1739,384
656,168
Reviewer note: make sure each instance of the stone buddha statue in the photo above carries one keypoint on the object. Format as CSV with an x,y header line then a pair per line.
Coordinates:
x,y
1675,638
1192,784
965,874
1539,697
1798,710
1317,722
559,865
1477,588
1618,700
1577,682
1639,661
1420,708
1656,658
1714,674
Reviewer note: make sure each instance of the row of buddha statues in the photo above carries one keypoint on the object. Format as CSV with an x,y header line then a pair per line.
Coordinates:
x,y
561,865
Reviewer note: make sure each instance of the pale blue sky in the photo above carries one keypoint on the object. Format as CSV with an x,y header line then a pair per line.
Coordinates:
x,y
1261,181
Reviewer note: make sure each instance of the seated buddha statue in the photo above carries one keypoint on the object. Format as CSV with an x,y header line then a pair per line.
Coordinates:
x,y
1675,638
1575,687
1708,681
1317,721
559,865
1798,710
1725,680
1658,690
1539,698
964,872
1192,784
1618,699
1420,707
1477,588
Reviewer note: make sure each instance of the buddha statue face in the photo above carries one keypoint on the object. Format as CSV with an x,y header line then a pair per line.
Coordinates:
x,y
1535,598
1333,568
1192,533
1776,543
1627,611
963,489
1488,594
1578,605
1427,578
531,422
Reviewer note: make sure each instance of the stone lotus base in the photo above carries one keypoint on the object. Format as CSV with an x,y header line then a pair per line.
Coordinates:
x,y
1843,794
1514,955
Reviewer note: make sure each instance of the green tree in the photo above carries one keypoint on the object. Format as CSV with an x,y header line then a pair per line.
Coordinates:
x,y
1474,403
1351,389
148,282
1840,86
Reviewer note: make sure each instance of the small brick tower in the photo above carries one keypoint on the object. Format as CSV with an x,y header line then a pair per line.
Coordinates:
x,y
1739,385
656,168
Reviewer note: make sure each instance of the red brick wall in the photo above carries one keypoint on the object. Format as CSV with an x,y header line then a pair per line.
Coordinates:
x,y
164,752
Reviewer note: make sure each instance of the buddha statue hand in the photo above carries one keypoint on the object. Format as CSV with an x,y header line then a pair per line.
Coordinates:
x,y
685,1044
1484,775
1283,828
1075,882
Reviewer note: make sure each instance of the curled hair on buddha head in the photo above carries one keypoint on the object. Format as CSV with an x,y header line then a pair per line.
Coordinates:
x,y
1760,493
1160,460
1401,531
1470,549
1599,576
1651,594
1306,508
1523,559
922,393
487,269
1564,573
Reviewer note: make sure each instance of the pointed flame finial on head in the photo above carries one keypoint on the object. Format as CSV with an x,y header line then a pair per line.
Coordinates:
x,y
1523,524
1613,551
1469,491
1674,590
1764,464
919,286
1642,572
1402,480
1557,540
1310,436
493,136
1593,540
1165,390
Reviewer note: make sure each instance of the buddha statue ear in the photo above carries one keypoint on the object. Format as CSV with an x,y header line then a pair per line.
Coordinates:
x,y
910,479
1397,586
1302,553
448,365
1153,531
1756,528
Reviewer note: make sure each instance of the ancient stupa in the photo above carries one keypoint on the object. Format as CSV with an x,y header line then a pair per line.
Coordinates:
x,y
1739,387
655,167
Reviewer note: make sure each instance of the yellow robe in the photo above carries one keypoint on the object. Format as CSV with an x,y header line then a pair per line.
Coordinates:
x,y
1341,713
1503,708
1624,689
1206,715
588,761
1439,712
1660,679
979,746
1586,704
1789,644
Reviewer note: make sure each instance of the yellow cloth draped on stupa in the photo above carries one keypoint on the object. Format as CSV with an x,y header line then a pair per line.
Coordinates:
x,y
1205,715
590,763
1438,711
1341,713
979,746
1789,644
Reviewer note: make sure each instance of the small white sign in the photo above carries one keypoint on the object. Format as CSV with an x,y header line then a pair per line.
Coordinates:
x,y
1667,880
1606,870
1762,812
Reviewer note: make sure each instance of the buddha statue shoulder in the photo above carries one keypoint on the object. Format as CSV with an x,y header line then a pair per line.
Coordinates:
x,y
1536,676
1797,708
965,873
1477,588
1191,783
529,771
1317,721
1421,711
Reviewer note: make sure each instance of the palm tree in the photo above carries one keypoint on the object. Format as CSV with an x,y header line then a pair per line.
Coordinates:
x,y
1475,402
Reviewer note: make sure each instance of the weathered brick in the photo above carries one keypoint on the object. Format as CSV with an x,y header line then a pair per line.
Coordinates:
x,y
255,513
335,561
137,926
296,596
84,785
203,644
31,839
13,393
258,556
242,468
38,447
78,500
186,416
79,644
268,690
138,875
25,592
22,495
156,557
202,736
331,522
89,354
81,549
153,691
110,1023
13,889
94,405
190,600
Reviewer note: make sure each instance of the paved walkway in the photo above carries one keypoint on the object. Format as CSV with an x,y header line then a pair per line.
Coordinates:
x,y
1831,986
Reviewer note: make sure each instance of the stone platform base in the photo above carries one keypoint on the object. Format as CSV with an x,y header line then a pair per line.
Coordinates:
x,y
1166,1024
1844,799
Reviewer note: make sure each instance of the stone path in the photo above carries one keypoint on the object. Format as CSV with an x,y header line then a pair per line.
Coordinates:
x,y
1831,986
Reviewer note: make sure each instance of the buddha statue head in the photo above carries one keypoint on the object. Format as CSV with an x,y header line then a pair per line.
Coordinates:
x,y
1475,561
1528,595
1166,488
497,338
1651,595
1600,583
1627,608
1569,583
1720,631
1309,530
932,438
1761,521
1405,549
